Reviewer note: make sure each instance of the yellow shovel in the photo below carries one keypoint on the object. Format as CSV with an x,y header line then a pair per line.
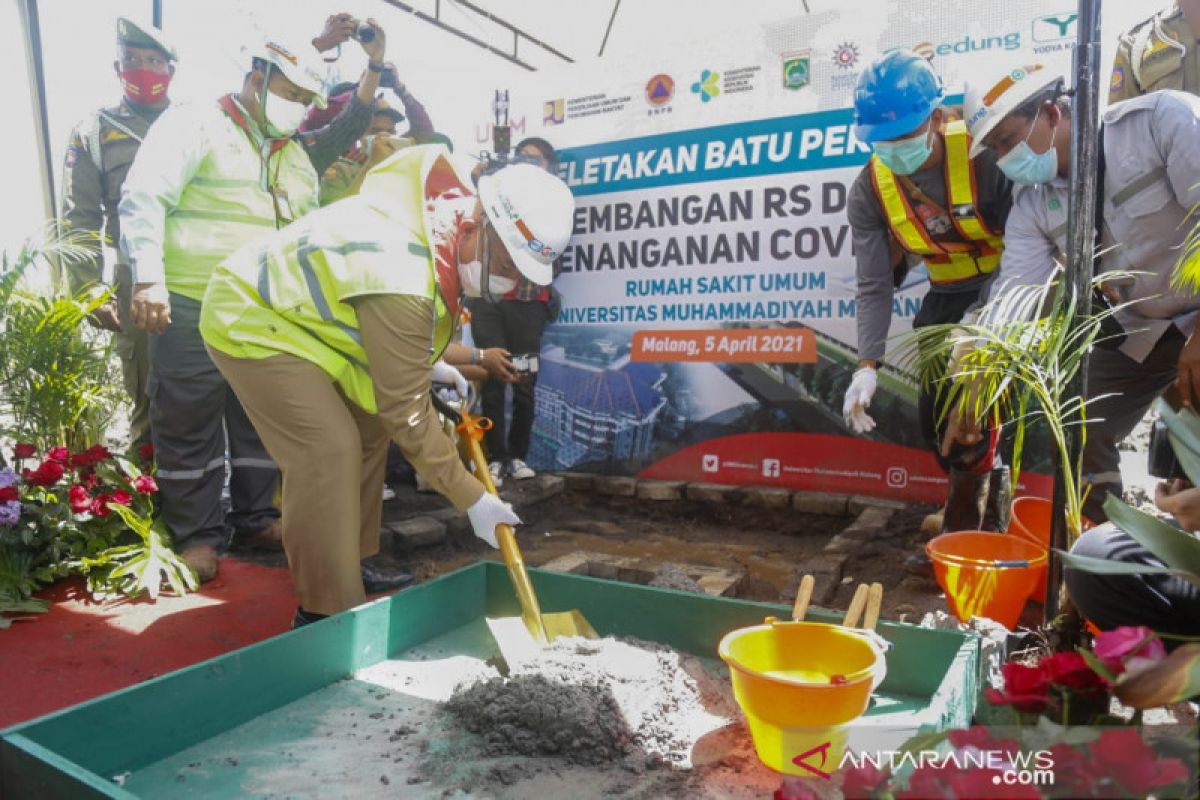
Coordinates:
x,y
519,638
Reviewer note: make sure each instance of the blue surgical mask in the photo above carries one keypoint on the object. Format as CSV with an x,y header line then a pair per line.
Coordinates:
x,y
904,157
1023,165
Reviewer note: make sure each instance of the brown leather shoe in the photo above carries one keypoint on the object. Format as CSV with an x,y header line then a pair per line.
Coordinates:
x,y
269,538
203,561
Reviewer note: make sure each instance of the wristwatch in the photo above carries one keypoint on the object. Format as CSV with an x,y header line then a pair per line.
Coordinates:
x,y
376,68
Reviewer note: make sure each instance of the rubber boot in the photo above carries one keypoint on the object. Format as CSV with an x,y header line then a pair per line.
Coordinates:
x,y
998,508
965,501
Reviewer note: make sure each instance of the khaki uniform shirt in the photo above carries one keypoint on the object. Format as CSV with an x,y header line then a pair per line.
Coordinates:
x,y
1159,53
99,153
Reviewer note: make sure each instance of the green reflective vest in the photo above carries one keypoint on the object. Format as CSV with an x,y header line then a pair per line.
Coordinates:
x,y
291,292
226,204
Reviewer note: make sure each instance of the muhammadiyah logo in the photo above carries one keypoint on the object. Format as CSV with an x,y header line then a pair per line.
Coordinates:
x,y
707,86
845,55
797,69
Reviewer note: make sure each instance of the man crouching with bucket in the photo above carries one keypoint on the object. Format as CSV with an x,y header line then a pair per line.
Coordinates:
x,y
330,331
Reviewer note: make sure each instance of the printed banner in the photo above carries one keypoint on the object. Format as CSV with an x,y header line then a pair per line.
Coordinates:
x,y
708,326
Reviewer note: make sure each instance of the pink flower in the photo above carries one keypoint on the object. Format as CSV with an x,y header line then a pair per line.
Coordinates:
x,y
122,497
1129,648
100,505
145,484
81,501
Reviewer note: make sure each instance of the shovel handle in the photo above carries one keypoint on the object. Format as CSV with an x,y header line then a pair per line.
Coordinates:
x,y
856,606
874,606
803,597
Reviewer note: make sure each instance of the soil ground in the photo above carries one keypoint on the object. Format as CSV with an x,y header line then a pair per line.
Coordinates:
x,y
770,546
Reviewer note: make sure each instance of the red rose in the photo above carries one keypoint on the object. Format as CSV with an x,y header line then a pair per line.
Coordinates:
x,y
926,783
59,455
122,497
861,782
81,461
92,481
8,494
100,505
80,500
1124,757
1071,671
24,450
146,453
145,484
48,473
1025,688
1074,773
98,453
988,783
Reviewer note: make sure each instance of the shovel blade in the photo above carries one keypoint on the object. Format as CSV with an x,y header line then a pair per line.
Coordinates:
x,y
518,644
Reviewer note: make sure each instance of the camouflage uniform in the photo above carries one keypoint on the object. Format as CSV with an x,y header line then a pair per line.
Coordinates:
x,y
1158,53
101,150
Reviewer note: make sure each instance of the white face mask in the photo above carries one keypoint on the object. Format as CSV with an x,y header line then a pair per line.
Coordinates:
x,y
283,116
471,273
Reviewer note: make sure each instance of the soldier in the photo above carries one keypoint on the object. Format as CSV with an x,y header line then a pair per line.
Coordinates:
x,y
1159,53
101,149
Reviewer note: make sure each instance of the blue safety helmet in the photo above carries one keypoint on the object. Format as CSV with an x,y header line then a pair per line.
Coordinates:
x,y
895,94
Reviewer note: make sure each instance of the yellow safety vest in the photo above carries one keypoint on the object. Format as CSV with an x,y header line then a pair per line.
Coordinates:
x,y
945,266
225,205
291,291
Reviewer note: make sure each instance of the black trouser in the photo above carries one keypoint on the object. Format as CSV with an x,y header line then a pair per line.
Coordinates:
x,y
1166,603
940,308
516,326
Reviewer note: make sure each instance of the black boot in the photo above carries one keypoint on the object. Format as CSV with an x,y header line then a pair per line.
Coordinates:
x,y
377,580
998,509
303,618
966,500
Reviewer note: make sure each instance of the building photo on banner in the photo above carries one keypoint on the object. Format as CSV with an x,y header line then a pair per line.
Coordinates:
x,y
707,328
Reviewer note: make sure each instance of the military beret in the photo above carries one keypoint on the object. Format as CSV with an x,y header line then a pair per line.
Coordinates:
x,y
135,35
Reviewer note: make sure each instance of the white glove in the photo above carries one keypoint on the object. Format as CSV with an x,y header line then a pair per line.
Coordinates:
x,y
444,373
488,512
858,399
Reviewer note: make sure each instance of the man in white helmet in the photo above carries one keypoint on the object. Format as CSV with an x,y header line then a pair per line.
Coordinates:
x,y
1150,149
330,332
208,179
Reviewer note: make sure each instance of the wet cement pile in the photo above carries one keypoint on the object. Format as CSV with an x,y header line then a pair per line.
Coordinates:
x,y
595,702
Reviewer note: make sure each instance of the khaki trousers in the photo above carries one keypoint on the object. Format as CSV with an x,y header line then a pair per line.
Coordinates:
x,y
333,456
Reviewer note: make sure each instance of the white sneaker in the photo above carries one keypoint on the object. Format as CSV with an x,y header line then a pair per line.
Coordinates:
x,y
497,470
388,493
520,470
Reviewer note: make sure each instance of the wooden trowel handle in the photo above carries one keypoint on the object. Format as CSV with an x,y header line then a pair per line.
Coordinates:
x,y
803,597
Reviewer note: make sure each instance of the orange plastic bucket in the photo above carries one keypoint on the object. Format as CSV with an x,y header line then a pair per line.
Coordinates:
x,y
986,574
799,684
1031,519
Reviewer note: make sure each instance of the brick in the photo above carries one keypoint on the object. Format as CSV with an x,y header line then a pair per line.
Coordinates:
x,y
827,570
456,522
713,493
577,481
660,490
871,524
538,489
616,485
575,563
821,503
416,532
861,502
768,497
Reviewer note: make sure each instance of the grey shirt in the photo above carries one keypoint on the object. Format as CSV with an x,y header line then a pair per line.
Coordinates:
x,y
1151,185
872,243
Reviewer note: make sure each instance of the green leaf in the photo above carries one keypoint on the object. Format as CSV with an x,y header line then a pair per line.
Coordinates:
x,y
1176,549
1103,566
1097,665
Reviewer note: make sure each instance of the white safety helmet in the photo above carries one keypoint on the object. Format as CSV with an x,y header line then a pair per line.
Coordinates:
x,y
533,212
985,104
298,66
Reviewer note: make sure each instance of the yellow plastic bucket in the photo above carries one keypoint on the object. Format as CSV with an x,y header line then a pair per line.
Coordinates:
x,y
799,684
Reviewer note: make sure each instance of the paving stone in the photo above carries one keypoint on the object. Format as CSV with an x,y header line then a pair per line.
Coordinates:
x,y
456,522
537,489
768,497
575,563
861,502
660,490
577,481
415,532
827,570
821,503
713,492
870,524
616,485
